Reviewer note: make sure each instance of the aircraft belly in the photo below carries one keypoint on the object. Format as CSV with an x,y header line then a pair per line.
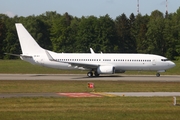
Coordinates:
x,y
30,60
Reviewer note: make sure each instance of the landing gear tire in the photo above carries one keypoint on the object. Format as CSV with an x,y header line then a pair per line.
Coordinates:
x,y
158,75
96,74
89,74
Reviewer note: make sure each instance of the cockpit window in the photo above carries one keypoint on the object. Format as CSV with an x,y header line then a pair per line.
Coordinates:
x,y
164,60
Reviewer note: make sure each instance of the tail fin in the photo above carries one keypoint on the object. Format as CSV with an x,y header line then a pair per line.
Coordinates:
x,y
27,42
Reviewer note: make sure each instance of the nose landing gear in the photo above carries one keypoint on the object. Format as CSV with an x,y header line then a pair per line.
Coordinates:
x,y
157,74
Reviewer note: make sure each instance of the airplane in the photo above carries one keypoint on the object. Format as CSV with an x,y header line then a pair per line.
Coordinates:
x,y
94,63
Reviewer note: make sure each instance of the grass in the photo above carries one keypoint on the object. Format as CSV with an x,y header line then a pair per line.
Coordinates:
x,y
22,67
105,108
125,108
81,86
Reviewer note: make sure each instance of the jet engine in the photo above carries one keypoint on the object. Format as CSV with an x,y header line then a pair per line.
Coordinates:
x,y
106,70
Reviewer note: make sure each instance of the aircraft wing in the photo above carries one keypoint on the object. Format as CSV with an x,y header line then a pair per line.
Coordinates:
x,y
73,64
86,66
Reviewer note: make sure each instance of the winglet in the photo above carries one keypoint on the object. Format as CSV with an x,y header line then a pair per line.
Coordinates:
x,y
92,51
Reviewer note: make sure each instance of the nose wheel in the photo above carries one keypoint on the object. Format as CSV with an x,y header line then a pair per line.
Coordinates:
x,y
157,74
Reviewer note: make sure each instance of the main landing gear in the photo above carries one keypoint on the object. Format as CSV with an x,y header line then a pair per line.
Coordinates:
x,y
90,74
157,74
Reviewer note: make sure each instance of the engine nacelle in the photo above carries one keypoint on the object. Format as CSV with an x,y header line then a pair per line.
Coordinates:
x,y
106,70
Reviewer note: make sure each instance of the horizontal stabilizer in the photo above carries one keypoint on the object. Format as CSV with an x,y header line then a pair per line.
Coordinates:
x,y
19,55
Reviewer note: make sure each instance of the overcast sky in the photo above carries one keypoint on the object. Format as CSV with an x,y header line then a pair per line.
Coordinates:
x,y
81,8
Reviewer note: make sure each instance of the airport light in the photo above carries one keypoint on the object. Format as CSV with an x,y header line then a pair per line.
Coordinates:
x,y
90,85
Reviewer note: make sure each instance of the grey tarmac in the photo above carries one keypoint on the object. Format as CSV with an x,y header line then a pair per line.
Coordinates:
x,y
144,94
115,77
94,94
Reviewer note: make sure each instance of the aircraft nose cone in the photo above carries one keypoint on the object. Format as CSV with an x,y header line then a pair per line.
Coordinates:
x,y
172,64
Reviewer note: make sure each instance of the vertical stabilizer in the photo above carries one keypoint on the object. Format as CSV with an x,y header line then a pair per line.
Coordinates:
x,y
27,42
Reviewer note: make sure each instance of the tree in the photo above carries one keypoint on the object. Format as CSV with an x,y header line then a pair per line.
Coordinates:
x,y
170,40
74,27
140,33
176,31
126,41
133,32
105,31
154,34
60,33
86,35
2,35
10,43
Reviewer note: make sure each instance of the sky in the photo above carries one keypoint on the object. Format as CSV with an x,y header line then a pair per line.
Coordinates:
x,y
81,8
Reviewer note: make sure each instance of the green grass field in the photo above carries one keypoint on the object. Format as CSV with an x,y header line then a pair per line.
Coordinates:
x,y
22,67
39,86
116,108
104,108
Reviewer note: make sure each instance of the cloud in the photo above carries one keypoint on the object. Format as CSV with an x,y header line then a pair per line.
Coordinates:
x,y
10,14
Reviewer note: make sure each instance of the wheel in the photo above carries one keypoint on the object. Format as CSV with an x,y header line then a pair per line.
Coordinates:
x,y
96,74
89,74
158,75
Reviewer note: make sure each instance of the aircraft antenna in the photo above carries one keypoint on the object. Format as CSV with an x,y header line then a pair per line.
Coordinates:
x,y
166,6
138,6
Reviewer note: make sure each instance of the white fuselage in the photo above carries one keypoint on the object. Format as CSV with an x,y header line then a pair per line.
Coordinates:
x,y
122,62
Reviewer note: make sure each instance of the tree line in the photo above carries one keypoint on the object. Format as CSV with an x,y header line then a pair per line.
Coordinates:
x,y
157,33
